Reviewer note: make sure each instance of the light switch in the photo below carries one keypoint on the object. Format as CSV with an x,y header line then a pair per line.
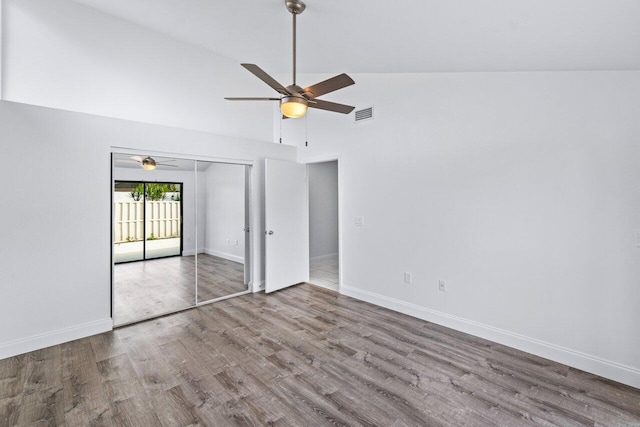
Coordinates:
x,y
359,221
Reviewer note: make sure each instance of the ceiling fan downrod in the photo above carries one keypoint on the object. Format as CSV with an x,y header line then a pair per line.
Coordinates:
x,y
295,7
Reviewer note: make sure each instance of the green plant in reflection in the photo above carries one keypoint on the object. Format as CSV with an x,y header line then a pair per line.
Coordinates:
x,y
155,192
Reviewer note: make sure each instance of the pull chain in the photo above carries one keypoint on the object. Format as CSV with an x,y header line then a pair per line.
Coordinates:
x,y
306,130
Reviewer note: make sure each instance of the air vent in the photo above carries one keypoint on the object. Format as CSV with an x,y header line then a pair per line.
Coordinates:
x,y
364,114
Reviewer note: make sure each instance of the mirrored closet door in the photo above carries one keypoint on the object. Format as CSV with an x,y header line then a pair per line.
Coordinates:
x,y
154,226
223,230
180,234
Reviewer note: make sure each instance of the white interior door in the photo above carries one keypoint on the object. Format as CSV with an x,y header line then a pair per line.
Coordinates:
x,y
287,224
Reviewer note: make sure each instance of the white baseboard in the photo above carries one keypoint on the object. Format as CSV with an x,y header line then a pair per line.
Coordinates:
x,y
322,258
576,359
37,342
224,255
259,287
192,252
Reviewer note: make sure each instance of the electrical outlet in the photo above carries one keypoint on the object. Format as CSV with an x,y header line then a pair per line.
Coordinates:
x,y
261,286
408,278
359,220
228,241
442,285
236,242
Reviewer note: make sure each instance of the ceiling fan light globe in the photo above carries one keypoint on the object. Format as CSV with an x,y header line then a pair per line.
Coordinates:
x,y
148,164
293,107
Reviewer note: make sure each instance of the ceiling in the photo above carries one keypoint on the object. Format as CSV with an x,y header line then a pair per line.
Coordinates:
x,y
375,36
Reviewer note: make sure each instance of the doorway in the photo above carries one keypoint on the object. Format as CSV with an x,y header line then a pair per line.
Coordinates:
x,y
147,220
323,225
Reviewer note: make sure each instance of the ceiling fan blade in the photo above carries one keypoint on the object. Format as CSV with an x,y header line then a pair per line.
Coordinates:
x,y
330,106
252,99
330,85
167,165
137,158
126,161
262,75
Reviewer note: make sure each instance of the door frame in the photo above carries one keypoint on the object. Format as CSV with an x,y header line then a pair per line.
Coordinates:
x,y
324,159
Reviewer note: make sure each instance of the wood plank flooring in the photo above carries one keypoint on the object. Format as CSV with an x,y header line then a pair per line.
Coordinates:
x,y
219,277
153,287
303,356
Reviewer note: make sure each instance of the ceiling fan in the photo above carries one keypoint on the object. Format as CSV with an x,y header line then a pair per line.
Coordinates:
x,y
148,163
293,99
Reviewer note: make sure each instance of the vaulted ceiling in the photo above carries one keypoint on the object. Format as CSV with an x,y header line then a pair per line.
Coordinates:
x,y
362,36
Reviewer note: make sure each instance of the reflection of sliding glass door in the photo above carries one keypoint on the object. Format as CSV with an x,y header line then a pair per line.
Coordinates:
x,y
147,220
163,223
128,222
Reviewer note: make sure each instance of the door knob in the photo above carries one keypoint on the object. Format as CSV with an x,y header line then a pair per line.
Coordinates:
x,y
246,229
270,232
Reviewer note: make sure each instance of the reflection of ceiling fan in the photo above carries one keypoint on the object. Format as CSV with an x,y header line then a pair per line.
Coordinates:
x,y
293,99
147,163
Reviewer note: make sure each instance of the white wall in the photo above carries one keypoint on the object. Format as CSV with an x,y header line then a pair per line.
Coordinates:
x,y
225,211
64,55
1,46
55,281
323,210
521,190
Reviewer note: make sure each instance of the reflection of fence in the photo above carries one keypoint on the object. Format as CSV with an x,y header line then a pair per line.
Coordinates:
x,y
163,220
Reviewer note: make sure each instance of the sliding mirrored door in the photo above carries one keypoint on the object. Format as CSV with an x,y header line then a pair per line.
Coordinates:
x,y
223,243
154,236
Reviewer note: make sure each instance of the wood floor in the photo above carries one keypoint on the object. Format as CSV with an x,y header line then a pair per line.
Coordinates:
x,y
153,287
303,356
219,277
